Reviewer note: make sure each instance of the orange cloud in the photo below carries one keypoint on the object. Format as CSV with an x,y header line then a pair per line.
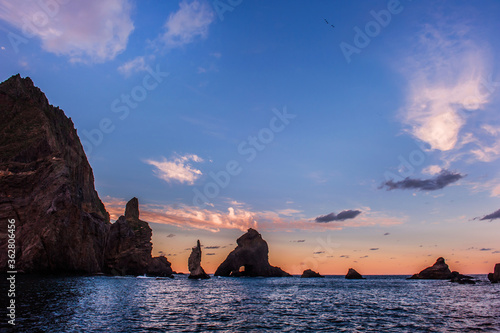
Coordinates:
x,y
241,218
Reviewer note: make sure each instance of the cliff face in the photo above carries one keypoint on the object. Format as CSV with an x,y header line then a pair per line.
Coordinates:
x,y
47,186
251,255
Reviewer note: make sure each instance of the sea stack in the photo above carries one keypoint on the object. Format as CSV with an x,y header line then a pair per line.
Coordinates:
x,y
309,273
249,258
352,274
495,276
194,264
438,271
128,251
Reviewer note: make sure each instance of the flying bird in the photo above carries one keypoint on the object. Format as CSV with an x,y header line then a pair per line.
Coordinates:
x,y
329,23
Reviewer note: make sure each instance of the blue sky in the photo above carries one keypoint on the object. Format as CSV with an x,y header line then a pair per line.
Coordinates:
x,y
309,119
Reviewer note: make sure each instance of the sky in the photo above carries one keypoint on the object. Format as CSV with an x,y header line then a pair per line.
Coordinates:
x,y
360,134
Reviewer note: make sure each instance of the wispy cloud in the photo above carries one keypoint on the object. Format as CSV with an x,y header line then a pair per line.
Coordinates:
x,y
135,65
192,217
85,31
177,168
449,86
343,215
443,179
189,23
492,216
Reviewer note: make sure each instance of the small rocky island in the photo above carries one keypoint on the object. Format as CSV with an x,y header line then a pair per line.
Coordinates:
x,y
194,264
441,271
249,258
309,273
352,274
495,276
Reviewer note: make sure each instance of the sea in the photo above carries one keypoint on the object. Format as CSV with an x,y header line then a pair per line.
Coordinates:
x,y
220,304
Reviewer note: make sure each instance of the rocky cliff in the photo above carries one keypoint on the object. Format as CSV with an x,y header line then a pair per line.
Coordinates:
x,y
194,264
47,187
249,258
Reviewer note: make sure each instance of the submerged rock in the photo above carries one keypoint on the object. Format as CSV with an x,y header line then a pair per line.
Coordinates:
x,y
461,279
194,264
309,273
495,276
438,271
249,258
352,274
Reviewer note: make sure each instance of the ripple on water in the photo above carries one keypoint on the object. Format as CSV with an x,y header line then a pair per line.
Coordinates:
x,y
389,304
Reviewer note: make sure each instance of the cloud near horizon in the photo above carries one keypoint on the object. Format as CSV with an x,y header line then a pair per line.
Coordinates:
x,y
443,179
91,31
343,215
177,168
192,217
189,23
492,216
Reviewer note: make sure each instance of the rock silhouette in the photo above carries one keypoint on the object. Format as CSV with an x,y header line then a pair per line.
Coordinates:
x,y
352,274
47,186
438,271
48,189
128,250
309,273
194,264
495,276
249,258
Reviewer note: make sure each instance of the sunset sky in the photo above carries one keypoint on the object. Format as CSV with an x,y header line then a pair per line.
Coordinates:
x,y
360,134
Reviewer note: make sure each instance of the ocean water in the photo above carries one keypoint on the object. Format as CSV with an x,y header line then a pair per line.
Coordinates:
x,y
332,304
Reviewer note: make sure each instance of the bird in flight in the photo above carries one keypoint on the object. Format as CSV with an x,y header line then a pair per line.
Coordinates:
x,y
329,23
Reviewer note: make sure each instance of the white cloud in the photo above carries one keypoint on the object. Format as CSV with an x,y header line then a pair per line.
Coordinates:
x,y
190,22
447,72
177,169
495,192
133,66
432,170
85,31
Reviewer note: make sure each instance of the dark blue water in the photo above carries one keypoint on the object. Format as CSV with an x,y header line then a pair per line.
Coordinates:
x,y
332,304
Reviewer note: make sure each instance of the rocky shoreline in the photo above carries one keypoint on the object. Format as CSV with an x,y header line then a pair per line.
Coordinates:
x,y
62,226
